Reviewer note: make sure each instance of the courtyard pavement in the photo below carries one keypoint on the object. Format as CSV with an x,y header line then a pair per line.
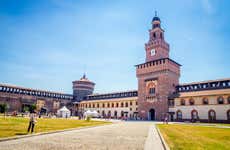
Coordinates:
x,y
118,136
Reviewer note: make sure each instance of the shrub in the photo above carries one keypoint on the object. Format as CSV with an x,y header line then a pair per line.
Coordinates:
x,y
88,118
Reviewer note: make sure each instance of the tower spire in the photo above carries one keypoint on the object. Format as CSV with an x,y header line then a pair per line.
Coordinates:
x,y
155,13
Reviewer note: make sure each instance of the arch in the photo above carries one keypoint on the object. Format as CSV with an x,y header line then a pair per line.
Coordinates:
x,y
228,115
179,115
191,101
211,115
115,114
182,102
205,101
109,113
122,113
220,100
194,115
152,114
103,113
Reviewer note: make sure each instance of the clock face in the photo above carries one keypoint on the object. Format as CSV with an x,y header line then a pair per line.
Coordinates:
x,y
153,52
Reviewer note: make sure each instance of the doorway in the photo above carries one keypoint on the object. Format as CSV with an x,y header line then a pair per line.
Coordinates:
x,y
152,114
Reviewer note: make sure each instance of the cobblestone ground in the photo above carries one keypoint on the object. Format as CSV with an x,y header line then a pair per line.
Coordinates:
x,y
119,136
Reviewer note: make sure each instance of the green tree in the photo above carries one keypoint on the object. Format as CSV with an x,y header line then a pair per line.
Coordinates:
x,y
26,109
32,108
3,108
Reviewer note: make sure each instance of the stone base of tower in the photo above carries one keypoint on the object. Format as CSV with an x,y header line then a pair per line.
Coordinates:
x,y
156,82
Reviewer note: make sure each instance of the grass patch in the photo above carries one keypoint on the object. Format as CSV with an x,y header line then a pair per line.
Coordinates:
x,y
189,137
11,126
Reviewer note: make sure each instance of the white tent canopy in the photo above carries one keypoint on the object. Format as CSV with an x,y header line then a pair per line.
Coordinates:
x,y
63,112
91,113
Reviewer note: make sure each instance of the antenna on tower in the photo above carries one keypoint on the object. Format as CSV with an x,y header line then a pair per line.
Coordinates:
x,y
155,13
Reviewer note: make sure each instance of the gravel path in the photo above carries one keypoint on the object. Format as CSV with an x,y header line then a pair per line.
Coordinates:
x,y
119,136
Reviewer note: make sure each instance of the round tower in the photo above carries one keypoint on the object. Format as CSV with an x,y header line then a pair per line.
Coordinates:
x,y
82,88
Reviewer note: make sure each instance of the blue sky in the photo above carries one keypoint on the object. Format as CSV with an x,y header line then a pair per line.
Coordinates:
x,y
46,44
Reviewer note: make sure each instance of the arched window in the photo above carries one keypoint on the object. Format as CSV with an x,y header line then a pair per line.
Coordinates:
x,y
117,105
161,35
205,101
179,115
211,115
108,105
220,100
154,35
194,115
228,114
191,101
98,105
229,100
122,105
132,103
126,104
112,104
103,105
182,102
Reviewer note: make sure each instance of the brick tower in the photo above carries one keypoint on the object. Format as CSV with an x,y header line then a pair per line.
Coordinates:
x,y
82,88
157,77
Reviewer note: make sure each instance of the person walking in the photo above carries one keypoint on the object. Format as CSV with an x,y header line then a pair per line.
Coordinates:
x,y
32,122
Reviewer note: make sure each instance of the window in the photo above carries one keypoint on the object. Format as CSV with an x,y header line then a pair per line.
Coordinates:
x,y
205,101
117,104
220,100
182,102
171,102
132,103
112,104
229,100
103,105
97,105
108,105
122,105
211,115
191,101
154,35
179,115
151,90
126,104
